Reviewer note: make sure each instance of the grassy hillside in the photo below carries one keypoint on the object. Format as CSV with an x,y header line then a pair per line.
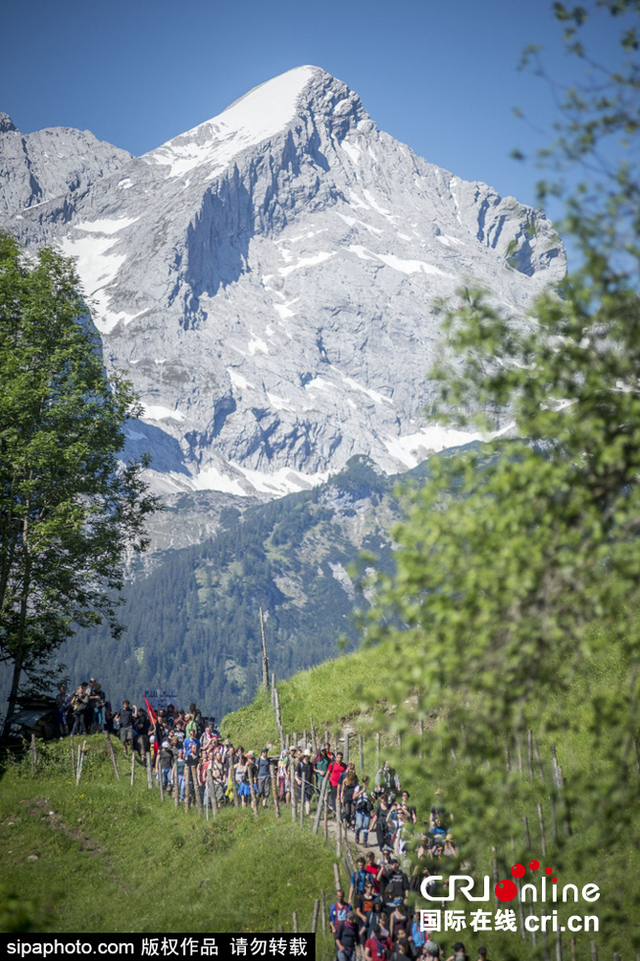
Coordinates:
x,y
106,856
109,857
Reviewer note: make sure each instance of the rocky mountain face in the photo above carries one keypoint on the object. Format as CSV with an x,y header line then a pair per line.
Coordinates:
x,y
267,278
53,168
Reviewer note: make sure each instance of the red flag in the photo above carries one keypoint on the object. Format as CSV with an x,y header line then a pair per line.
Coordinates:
x,y
153,717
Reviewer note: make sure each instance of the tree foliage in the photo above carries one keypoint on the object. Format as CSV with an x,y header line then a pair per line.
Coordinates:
x,y
69,509
518,566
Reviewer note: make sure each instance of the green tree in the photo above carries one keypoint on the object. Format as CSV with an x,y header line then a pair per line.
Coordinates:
x,y
69,510
518,566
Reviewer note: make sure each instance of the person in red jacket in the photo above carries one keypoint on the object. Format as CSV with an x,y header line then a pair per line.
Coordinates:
x,y
377,947
334,771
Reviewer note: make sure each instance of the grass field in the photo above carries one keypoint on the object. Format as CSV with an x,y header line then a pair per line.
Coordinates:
x,y
104,856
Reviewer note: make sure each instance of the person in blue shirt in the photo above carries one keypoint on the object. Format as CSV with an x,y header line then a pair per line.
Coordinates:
x,y
188,741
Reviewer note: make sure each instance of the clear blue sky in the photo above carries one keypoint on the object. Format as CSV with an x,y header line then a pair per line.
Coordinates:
x,y
440,75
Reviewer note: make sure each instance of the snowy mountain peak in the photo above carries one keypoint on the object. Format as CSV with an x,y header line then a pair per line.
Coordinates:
x,y
266,279
260,115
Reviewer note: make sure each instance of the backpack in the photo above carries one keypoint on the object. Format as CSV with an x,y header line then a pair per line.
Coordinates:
x,y
382,951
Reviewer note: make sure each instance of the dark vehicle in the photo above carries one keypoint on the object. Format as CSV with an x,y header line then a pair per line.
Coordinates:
x,y
34,716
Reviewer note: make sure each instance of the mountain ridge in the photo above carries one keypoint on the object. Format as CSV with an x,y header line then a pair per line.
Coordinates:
x,y
265,281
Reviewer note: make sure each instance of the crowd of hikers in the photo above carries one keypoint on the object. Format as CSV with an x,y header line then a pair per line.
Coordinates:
x,y
375,921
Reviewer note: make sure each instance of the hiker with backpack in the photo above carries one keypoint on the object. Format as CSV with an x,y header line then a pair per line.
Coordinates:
x,y
363,807
338,912
79,703
387,778
304,780
346,787
358,880
378,947
63,704
379,822
264,776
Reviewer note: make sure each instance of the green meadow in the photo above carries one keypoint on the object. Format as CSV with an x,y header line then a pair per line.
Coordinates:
x,y
106,856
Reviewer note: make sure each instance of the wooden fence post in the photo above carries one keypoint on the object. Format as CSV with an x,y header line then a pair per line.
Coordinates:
x,y
196,790
274,789
545,936
494,867
543,842
292,781
519,752
33,755
279,721
345,738
554,819
234,784
81,759
176,785
265,659
314,917
322,802
361,753
254,799
149,771
323,903
336,874
111,754
530,752
523,934
527,837
534,936
558,946
133,767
